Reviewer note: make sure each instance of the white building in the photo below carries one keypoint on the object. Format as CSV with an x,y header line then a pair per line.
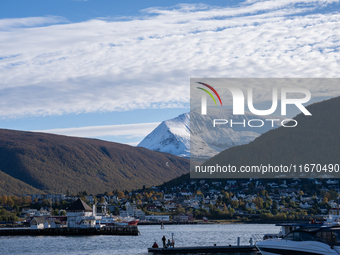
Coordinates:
x,y
305,205
37,223
132,211
80,215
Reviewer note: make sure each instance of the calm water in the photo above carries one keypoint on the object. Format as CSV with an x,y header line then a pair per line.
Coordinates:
x,y
184,235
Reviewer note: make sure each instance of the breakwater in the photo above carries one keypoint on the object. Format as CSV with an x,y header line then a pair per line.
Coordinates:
x,y
111,230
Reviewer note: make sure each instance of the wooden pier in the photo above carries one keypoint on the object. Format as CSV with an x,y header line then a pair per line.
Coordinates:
x,y
112,230
246,249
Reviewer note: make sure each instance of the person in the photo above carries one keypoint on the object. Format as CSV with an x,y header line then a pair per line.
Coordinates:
x,y
155,245
169,243
173,243
163,239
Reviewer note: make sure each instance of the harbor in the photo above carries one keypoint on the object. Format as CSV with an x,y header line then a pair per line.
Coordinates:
x,y
185,236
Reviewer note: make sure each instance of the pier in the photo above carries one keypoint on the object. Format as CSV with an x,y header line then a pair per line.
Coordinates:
x,y
230,250
111,230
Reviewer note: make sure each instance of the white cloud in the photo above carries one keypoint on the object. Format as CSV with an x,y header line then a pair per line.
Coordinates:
x,y
130,130
146,62
6,24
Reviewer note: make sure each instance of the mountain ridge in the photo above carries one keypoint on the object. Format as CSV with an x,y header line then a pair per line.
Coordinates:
x,y
54,163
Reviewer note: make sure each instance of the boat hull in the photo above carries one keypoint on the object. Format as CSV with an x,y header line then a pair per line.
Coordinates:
x,y
288,247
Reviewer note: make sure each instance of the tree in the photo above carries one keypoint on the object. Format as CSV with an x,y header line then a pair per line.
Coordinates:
x,y
10,202
259,202
120,194
28,199
102,200
180,210
55,212
3,200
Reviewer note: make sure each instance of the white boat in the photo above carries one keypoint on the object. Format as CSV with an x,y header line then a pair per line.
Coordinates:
x,y
313,240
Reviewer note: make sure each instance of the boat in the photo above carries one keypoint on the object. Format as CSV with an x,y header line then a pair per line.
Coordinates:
x,y
333,219
109,220
302,238
312,240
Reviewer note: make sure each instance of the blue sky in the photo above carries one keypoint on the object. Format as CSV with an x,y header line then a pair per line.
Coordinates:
x,y
97,68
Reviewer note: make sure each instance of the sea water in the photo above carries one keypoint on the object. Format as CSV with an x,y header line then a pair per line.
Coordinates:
x,y
184,235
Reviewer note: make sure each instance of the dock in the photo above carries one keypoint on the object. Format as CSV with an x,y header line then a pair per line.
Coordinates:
x,y
111,230
246,249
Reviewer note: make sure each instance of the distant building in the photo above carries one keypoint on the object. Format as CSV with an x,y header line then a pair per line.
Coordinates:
x,y
132,211
157,218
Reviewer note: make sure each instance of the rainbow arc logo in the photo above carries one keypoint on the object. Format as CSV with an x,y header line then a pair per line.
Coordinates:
x,y
209,93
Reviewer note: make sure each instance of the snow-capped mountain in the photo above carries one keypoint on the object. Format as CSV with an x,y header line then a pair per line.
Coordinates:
x,y
174,136
171,136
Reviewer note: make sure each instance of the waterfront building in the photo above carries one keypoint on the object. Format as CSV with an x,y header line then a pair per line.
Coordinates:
x,y
37,223
80,215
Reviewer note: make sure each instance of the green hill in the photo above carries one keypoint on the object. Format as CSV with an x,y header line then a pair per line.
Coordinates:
x,y
51,163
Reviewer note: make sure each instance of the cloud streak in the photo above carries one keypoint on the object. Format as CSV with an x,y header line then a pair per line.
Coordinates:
x,y
7,24
146,62
130,130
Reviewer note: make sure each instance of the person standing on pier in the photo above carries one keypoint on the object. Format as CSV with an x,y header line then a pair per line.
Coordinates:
x,y
164,240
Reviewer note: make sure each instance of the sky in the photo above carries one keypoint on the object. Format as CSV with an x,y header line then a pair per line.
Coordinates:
x,y
114,70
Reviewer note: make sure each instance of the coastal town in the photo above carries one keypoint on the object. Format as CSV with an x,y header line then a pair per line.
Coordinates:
x,y
186,201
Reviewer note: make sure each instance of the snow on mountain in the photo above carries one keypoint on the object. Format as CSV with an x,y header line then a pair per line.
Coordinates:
x,y
173,136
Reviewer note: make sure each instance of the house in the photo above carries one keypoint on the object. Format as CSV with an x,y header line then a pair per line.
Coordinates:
x,y
167,197
251,206
42,213
37,223
47,223
169,207
306,198
26,212
151,208
181,217
305,205
80,215
323,209
132,211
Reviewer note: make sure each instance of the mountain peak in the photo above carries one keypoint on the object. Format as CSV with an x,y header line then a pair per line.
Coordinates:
x,y
173,136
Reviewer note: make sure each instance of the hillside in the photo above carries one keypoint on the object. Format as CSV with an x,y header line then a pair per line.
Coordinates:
x,y
55,164
316,139
10,185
